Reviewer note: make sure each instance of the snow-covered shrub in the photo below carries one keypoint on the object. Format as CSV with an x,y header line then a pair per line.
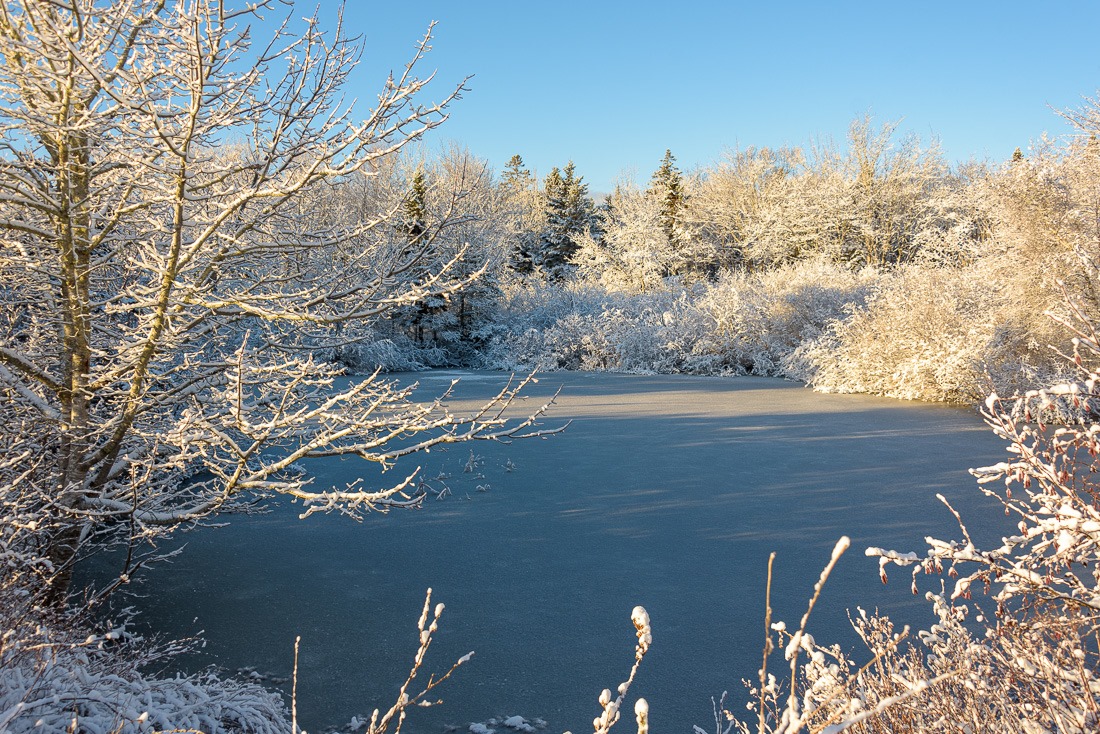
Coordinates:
x,y
740,324
397,354
933,333
759,318
56,679
617,338
547,326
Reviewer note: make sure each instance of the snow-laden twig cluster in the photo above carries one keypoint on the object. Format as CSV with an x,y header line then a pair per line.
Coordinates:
x,y
407,696
611,704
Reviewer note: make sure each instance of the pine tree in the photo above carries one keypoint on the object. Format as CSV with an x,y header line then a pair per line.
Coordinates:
x,y
1017,155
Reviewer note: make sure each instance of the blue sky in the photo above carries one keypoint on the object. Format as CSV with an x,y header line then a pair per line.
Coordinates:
x,y
611,85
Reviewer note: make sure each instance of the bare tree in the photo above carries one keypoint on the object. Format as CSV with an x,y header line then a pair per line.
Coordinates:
x,y
168,269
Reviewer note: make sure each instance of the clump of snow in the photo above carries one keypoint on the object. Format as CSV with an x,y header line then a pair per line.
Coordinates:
x,y
518,723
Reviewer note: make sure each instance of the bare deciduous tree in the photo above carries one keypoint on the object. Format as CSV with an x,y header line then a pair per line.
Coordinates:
x,y
167,266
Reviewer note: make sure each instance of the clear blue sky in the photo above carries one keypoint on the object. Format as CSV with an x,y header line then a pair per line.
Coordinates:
x,y
611,85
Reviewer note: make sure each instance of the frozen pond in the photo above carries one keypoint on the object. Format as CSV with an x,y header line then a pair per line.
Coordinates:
x,y
668,492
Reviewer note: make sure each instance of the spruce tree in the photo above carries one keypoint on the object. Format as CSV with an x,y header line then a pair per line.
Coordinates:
x,y
554,188
520,192
515,177
415,224
553,245
579,208
416,209
570,212
667,185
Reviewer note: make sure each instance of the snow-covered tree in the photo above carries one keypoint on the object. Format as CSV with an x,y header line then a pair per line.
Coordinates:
x,y
570,214
875,202
633,252
415,210
162,295
890,190
667,187
479,227
741,210
525,212
414,225
554,242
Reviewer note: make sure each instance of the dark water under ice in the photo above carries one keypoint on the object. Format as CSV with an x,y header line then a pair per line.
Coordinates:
x,y
668,492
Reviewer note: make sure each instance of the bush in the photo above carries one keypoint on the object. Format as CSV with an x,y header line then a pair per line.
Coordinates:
x,y
760,318
740,324
940,334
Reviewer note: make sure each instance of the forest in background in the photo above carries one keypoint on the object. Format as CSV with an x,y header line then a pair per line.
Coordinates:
x,y
872,265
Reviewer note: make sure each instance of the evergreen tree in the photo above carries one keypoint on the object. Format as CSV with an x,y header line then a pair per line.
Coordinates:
x,y
570,213
579,208
416,209
553,249
415,225
516,178
554,189
667,185
519,191
1017,155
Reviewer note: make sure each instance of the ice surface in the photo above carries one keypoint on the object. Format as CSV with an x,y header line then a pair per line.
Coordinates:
x,y
665,492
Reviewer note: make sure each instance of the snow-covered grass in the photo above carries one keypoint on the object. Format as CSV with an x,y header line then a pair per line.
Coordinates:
x,y
54,679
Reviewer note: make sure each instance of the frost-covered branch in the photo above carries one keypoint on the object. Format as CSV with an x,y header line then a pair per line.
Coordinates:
x,y
180,210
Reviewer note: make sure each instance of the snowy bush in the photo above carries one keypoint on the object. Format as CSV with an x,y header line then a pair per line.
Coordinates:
x,y
740,324
56,680
398,354
933,333
760,318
